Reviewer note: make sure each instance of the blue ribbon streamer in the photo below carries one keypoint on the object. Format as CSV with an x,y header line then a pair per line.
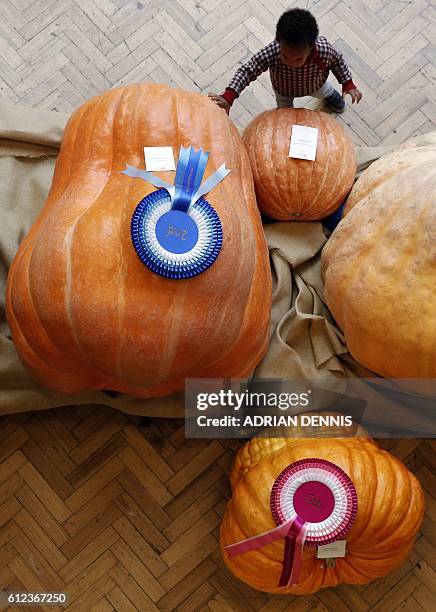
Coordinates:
x,y
150,177
187,188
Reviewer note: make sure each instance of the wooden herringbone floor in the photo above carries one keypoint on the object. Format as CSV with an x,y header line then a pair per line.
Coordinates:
x,y
123,516
57,53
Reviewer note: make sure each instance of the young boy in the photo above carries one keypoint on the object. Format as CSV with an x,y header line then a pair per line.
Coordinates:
x,y
299,62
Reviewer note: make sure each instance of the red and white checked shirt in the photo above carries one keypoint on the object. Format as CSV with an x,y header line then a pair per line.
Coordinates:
x,y
292,82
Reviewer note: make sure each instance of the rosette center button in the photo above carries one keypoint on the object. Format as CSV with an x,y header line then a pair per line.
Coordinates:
x,y
176,232
313,501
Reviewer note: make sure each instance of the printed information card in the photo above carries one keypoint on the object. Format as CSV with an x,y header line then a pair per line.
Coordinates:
x,y
333,550
303,142
159,158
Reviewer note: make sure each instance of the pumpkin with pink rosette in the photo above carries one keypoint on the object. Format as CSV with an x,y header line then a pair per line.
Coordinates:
x,y
290,496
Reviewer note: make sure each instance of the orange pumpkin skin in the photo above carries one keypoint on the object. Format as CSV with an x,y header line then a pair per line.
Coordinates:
x,y
291,189
390,511
379,268
85,313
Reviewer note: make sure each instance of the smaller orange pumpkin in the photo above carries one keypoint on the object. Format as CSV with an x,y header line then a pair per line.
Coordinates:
x,y
290,189
388,512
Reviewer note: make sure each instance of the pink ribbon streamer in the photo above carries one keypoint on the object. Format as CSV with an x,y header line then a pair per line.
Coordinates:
x,y
294,532
292,558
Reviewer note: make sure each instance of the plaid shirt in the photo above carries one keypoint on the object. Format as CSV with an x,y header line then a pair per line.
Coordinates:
x,y
293,82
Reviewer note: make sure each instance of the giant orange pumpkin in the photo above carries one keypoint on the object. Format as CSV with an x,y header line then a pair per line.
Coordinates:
x,y
84,311
290,189
379,266
389,512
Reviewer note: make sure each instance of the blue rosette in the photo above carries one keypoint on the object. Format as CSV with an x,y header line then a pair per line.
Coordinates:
x,y
175,232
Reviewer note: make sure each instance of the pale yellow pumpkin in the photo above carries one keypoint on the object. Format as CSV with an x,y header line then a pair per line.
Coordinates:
x,y
379,266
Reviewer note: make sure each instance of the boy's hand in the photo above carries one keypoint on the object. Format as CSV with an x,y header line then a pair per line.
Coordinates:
x,y
222,102
356,95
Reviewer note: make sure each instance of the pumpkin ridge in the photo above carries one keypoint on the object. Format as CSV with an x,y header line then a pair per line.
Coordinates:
x,y
46,337
121,302
67,361
104,374
304,199
369,460
13,319
395,485
294,168
352,560
339,176
71,234
175,324
307,203
37,240
344,168
275,182
223,314
324,169
417,492
387,467
27,243
109,373
411,498
258,152
296,165
407,515
279,169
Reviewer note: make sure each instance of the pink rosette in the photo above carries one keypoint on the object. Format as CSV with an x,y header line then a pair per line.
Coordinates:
x,y
313,502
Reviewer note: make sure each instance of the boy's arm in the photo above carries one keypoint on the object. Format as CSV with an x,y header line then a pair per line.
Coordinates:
x,y
340,69
248,72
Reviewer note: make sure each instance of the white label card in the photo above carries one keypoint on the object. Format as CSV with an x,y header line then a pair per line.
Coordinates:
x,y
159,158
333,550
303,142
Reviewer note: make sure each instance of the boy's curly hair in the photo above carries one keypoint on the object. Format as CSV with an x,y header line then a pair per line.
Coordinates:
x,y
297,28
